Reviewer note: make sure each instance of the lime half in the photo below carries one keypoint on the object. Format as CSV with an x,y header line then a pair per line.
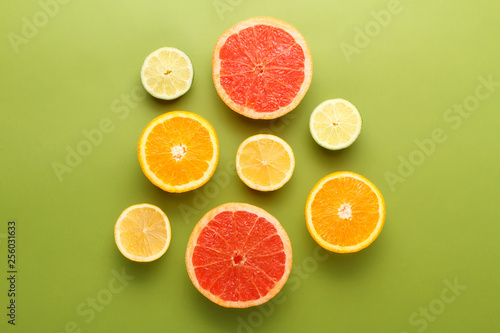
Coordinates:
x,y
335,124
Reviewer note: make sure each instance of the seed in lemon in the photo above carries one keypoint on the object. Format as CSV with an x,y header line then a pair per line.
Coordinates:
x,y
142,233
167,73
265,162
335,124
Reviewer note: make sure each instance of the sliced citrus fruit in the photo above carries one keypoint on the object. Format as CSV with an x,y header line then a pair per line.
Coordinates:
x,y
167,73
265,162
345,212
262,67
335,124
238,255
142,233
178,151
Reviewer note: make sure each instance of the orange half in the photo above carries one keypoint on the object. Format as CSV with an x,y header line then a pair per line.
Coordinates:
x,y
345,212
178,151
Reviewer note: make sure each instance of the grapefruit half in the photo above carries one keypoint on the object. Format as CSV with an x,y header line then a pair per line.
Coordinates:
x,y
262,67
238,255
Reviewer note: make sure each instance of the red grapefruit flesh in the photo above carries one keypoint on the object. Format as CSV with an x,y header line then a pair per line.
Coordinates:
x,y
238,255
262,67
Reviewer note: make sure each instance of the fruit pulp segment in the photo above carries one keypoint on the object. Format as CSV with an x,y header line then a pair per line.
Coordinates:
x,y
262,67
239,256
143,232
179,149
345,211
265,162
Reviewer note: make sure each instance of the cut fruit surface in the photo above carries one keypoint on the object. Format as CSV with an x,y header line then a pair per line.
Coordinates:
x,y
335,124
345,212
265,162
142,233
167,73
178,151
238,255
262,67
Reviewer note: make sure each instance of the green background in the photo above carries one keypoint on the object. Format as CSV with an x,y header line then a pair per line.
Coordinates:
x,y
442,221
